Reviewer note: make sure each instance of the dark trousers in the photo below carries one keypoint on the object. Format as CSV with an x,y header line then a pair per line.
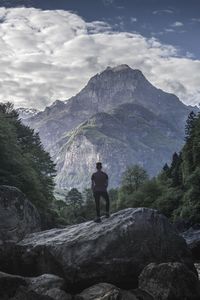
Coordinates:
x,y
103,194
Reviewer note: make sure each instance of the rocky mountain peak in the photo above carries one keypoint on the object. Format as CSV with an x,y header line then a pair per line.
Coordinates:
x,y
118,68
118,79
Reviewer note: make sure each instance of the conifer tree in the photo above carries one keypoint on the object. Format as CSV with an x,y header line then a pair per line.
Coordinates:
x,y
23,161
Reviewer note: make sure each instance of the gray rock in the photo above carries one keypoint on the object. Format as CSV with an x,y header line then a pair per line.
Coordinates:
x,y
106,291
170,281
100,291
114,251
44,287
136,294
42,284
23,293
9,285
192,238
57,294
18,216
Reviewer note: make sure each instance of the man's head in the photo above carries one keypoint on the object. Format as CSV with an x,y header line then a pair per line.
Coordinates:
x,y
99,165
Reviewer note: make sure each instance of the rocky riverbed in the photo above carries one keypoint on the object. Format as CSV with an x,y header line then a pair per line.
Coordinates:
x,y
135,254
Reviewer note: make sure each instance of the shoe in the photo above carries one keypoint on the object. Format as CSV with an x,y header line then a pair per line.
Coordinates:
x,y
107,215
97,220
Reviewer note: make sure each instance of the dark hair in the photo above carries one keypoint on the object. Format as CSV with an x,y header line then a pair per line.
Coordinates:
x,y
99,165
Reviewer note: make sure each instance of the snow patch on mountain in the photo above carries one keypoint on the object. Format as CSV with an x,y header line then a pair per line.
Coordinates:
x,y
25,113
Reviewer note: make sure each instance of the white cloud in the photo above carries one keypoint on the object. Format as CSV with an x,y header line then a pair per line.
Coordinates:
x,y
195,19
108,2
177,24
133,19
163,11
169,30
49,55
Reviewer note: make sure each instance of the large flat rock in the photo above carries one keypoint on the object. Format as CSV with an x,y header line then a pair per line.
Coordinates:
x,y
114,251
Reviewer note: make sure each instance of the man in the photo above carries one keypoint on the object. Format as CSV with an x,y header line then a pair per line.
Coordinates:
x,y
99,188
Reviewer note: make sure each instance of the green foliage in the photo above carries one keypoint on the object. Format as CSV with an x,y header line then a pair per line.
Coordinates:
x,y
133,178
74,203
190,124
176,190
24,163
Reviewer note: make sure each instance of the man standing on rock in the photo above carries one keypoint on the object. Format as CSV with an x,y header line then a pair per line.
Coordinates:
x,y
99,188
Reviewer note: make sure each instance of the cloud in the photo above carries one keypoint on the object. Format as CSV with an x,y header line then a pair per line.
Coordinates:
x,y
195,19
169,30
133,19
177,24
108,2
163,11
49,55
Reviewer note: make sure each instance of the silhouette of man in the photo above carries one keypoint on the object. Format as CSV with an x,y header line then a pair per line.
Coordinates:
x,y
99,188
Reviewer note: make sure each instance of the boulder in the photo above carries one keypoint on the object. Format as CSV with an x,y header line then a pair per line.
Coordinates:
x,y
114,251
44,287
192,237
46,284
24,293
9,285
137,293
18,216
106,291
101,291
170,281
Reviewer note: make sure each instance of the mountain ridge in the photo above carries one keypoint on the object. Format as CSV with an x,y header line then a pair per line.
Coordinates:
x,y
150,121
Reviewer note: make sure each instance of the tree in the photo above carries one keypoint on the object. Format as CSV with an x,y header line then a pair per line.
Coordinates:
x,y
190,124
89,211
133,178
74,201
166,168
175,172
24,163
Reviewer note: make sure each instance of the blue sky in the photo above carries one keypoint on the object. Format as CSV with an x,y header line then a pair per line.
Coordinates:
x,y
46,45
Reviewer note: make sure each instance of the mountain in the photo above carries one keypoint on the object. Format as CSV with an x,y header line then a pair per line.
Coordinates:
x,y
120,118
25,113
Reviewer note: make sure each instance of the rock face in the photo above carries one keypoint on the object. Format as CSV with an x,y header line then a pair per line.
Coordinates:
x,y
170,281
192,237
45,287
17,215
115,251
118,116
25,113
130,134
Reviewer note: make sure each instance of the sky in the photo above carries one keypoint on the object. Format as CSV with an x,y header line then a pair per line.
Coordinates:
x,y
50,49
